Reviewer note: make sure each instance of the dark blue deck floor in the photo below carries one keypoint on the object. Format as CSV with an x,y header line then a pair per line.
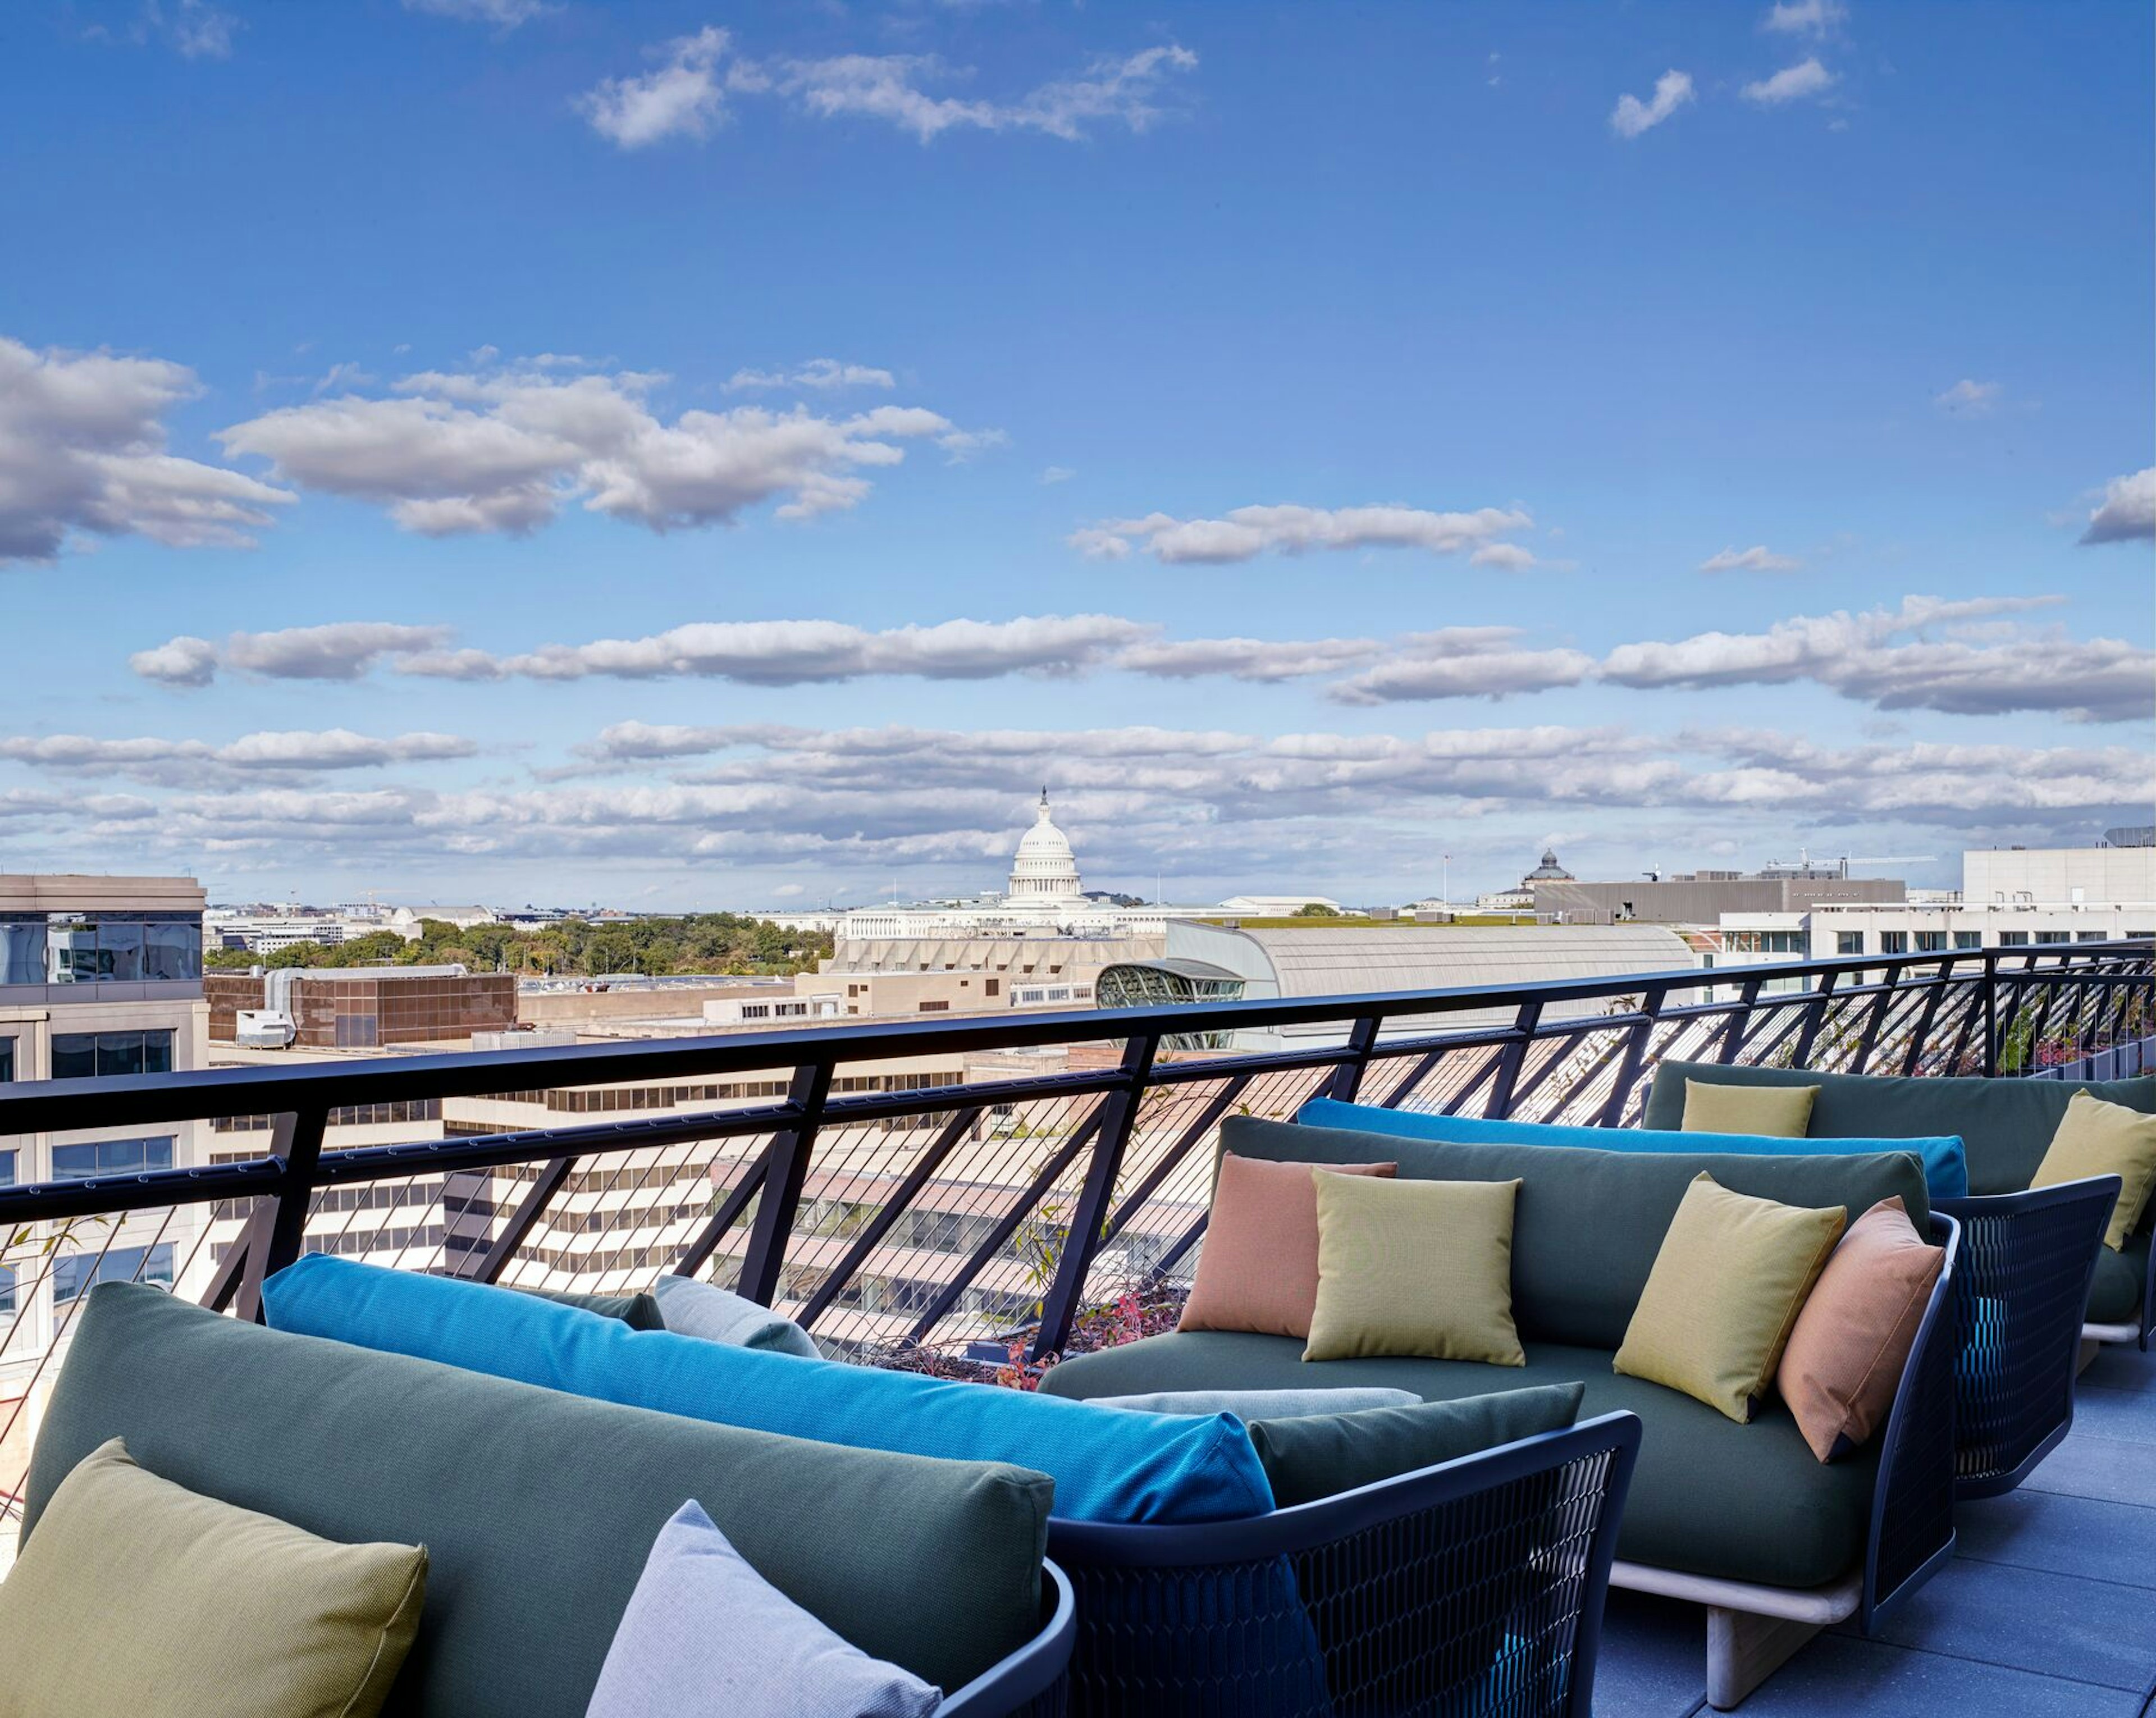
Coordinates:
x,y
2048,1611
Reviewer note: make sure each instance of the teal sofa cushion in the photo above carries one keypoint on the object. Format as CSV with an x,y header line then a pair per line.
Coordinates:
x,y
1946,1168
538,1509
1587,1225
2006,1126
1709,1497
1107,1466
1310,1456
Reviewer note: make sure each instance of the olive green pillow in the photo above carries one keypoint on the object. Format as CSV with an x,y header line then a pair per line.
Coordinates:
x,y
1414,1266
1317,1455
2096,1138
1725,1290
136,1595
1770,1112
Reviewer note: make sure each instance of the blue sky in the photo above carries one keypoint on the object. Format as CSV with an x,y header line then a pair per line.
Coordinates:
x,y
700,457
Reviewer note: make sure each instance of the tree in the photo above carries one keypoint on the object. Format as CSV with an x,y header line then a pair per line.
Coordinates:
x,y
1317,910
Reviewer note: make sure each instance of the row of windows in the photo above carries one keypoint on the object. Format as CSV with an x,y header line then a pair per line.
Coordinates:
x,y
423,1236
101,1055
83,1162
76,1273
668,1097
402,1110
108,951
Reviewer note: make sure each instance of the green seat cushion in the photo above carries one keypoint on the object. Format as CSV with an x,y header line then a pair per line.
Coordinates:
x,y
2122,1277
1709,1497
2006,1126
537,1509
1587,1225
1310,1456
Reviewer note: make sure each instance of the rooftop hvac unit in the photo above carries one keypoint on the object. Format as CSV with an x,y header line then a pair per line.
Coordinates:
x,y
263,1030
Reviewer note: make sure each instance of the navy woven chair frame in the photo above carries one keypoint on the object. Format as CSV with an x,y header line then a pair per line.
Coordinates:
x,y
1475,1587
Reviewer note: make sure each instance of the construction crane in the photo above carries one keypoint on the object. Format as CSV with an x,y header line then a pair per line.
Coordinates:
x,y
1842,864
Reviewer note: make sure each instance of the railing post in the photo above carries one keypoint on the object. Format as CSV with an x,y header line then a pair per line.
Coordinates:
x,y
1635,1052
1868,1040
1990,1014
296,1139
1918,1036
1347,1078
1732,1034
1059,1307
1815,1020
786,1173
1511,1058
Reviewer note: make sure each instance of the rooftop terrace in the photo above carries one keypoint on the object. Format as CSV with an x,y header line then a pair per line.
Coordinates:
x,y
896,1223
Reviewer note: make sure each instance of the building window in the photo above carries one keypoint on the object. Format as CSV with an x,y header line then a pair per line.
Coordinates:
x,y
2051,937
2013,938
6,1059
1849,942
1931,942
22,951
991,986
1893,942
7,1169
935,1008
82,1163
74,1273
1969,939
2088,937
84,950
99,1056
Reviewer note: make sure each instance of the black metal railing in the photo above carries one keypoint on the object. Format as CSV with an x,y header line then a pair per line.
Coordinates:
x,y
941,1181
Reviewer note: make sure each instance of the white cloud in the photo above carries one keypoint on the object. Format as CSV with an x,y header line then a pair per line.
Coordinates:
x,y
817,373
342,650
1632,117
502,449
777,652
194,29
685,94
2127,511
504,14
1057,474
1808,18
1792,83
1970,397
1124,91
296,752
681,97
1758,558
1247,658
1462,662
82,453
964,446
1250,531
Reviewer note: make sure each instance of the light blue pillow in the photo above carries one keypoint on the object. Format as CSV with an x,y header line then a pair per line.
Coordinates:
x,y
1945,1165
1107,1466
1247,1405
689,1308
703,1633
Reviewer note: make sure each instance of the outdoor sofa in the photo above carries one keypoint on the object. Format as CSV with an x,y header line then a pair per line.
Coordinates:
x,y
1468,1585
2036,1283
538,1510
1742,1518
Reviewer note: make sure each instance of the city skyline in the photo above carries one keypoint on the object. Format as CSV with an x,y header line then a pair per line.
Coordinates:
x,y
730,459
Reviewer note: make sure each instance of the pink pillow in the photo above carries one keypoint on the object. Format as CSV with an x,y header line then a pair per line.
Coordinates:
x,y
1259,1267
1845,1352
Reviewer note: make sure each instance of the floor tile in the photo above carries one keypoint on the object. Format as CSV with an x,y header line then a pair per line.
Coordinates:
x,y
2123,1367
2068,1536
1836,1677
2053,1625
2085,1465
2127,1415
1653,1663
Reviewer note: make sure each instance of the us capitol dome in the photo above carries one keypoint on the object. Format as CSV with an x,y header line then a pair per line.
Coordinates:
x,y
1045,868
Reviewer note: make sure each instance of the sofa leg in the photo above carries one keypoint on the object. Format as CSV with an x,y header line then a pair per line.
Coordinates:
x,y
1744,1648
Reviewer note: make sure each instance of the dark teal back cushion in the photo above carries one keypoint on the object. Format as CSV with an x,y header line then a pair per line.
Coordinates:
x,y
1107,1466
2006,1126
639,1311
1316,1455
1946,1169
538,1510
1587,1225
